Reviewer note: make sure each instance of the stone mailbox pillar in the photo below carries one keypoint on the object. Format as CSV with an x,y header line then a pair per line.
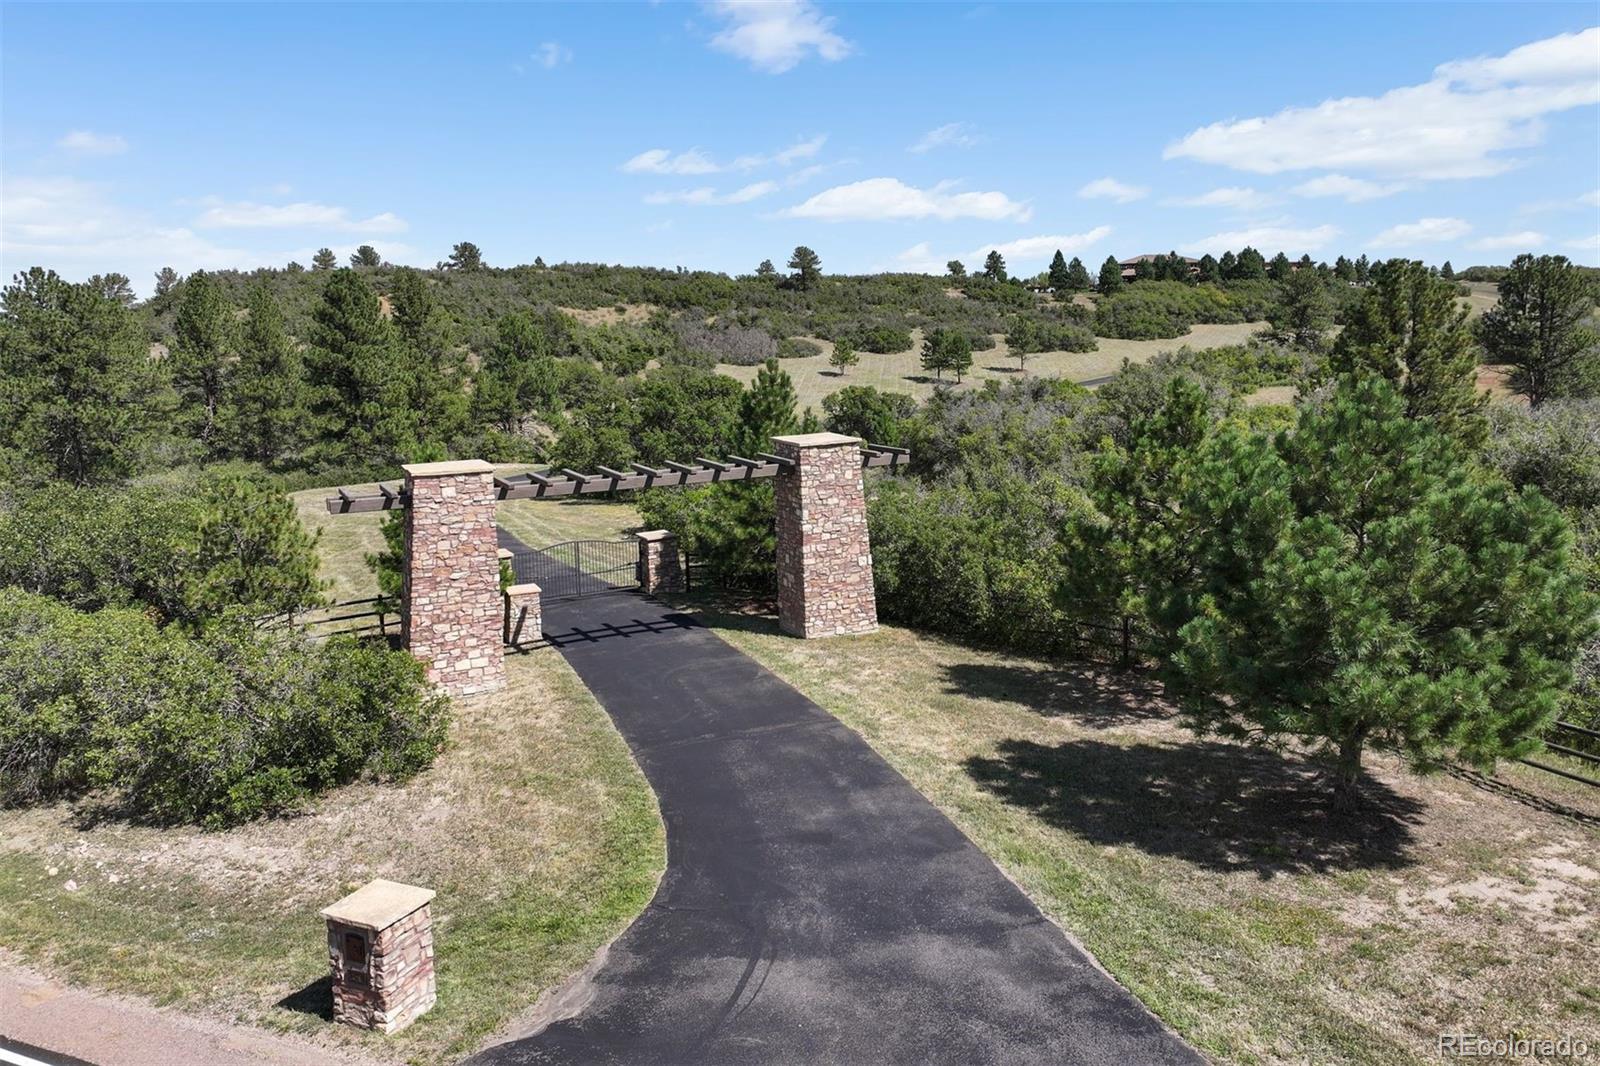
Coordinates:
x,y
524,614
450,596
380,946
660,568
824,559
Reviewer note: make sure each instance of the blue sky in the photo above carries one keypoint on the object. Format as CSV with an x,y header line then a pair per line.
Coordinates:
x,y
886,136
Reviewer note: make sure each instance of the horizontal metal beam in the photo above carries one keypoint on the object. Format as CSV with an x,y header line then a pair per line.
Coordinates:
x,y
566,482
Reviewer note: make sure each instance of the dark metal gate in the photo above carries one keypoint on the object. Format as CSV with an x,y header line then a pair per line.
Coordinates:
x,y
579,568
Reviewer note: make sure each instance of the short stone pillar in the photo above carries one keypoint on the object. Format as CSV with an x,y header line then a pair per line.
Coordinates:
x,y
380,946
524,615
824,559
450,596
660,567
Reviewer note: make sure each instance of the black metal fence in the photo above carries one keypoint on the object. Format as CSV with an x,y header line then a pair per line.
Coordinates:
x,y
579,568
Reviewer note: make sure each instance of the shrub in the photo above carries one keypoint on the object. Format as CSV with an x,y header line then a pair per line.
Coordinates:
x,y
883,340
1157,309
220,729
798,348
727,342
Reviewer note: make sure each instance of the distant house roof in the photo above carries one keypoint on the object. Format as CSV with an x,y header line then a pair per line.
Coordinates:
x,y
1136,260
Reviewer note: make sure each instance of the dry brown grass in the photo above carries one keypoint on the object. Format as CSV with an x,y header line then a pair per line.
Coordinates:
x,y
1210,878
902,371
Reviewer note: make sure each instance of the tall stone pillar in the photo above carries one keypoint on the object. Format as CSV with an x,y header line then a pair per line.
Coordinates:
x,y
824,559
450,597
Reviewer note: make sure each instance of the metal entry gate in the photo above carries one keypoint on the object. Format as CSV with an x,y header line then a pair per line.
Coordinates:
x,y
579,568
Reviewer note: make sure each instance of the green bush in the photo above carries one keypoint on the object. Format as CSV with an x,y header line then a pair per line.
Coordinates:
x,y
882,340
1150,310
219,729
798,348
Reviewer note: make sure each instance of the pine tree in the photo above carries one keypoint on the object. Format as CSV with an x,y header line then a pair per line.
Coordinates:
x,y
946,349
1447,272
1228,266
1541,329
430,374
267,406
956,269
1363,269
1210,269
766,269
1110,276
204,347
82,400
351,369
1077,276
1305,312
1250,266
844,356
166,278
465,256
1060,279
994,266
807,267
251,553
324,259
518,375
366,256
1359,583
767,409
1412,331
1344,269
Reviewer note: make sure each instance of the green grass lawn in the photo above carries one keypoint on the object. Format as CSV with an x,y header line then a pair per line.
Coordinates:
x,y
1208,877
902,371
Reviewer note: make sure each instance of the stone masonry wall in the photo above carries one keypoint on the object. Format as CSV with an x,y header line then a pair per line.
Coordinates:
x,y
451,603
660,566
524,615
824,558
398,983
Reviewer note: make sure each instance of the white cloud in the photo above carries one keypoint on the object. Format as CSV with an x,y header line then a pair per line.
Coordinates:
x,y
1351,190
918,259
305,215
784,158
1112,189
1041,249
662,161
551,54
1456,125
1525,240
87,142
1269,239
1422,231
883,199
1590,199
776,35
1235,197
950,135
1586,244
709,197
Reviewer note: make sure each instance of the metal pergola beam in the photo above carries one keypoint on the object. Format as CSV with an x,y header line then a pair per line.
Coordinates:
x,y
555,484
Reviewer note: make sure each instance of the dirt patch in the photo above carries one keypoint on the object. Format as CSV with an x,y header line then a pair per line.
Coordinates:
x,y
631,314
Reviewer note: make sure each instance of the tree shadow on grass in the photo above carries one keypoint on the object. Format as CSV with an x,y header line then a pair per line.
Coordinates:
x,y
1004,369
315,999
1094,697
1219,806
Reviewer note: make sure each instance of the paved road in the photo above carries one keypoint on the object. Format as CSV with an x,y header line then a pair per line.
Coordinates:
x,y
816,908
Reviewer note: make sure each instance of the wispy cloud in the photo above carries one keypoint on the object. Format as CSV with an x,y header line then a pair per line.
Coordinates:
x,y
1525,241
1586,244
1422,231
886,199
1234,197
950,135
1459,124
663,161
304,215
786,157
551,54
1112,189
1270,239
1027,250
1351,190
709,197
87,142
774,36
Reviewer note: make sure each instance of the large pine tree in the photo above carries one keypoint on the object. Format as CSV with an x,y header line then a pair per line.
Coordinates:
x,y
1543,329
267,408
205,347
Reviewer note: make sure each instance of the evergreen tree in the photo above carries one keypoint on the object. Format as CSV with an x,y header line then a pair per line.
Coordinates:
x,y
844,356
267,400
324,259
1305,312
294,267
430,375
81,399
351,367
166,278
807,267
1228,266
1110,279
518,377
205,346
1344,269
994,266
465,256
366,256
1210,269
1250,266
946,349
1411,330
1022,340
1059,277
1543,328
538,261
767,409
114,286
766,269
1447,272
1077,276
1359,583
1363,269
251,553
956,269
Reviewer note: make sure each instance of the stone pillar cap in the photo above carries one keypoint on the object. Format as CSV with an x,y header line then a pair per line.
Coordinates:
x,y
654,534
527,589
816,440
458,466
378,904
